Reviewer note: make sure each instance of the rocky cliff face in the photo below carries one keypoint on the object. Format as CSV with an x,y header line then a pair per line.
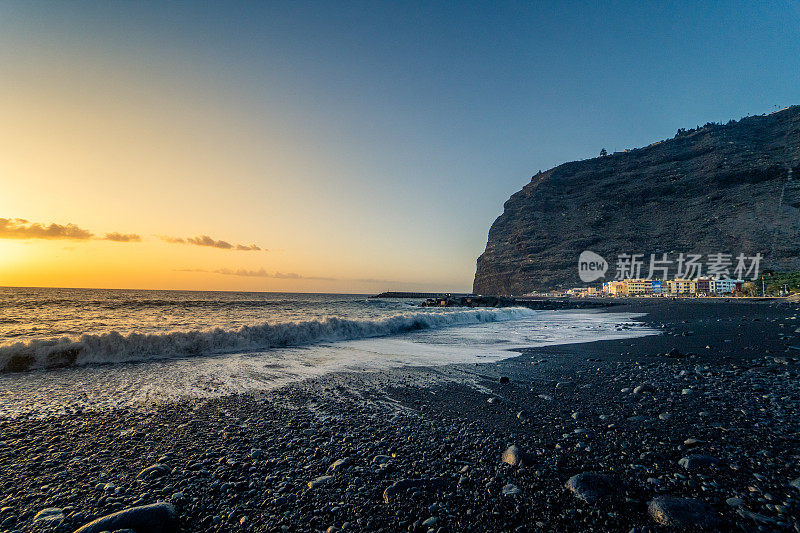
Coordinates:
x,y
731,188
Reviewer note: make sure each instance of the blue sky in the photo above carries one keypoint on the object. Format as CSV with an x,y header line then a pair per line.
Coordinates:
x,y
407,124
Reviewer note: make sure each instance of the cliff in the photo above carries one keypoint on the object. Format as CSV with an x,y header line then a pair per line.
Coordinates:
x,y
731,188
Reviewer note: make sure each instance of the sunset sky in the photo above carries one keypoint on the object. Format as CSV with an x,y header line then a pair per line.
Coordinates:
x,y
335,146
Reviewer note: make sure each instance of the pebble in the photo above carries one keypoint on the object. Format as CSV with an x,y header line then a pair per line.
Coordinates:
x,y
590,486
152,472
511,490
682,513
50,517
155,518
514,456
318,481
697,462
340,464
734,502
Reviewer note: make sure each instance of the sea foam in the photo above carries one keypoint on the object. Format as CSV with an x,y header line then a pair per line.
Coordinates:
x,y
113,347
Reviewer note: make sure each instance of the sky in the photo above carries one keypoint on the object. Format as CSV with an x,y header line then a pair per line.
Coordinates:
x,y
336,146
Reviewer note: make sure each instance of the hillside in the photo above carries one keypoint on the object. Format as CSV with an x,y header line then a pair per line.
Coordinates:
x,y
722,188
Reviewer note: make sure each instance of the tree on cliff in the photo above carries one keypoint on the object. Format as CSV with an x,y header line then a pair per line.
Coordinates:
x,y
603,152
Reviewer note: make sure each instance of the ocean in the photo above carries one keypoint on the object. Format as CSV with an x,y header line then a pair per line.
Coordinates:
x,y
68,350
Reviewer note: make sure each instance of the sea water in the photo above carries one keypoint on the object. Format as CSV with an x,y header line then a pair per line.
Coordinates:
x,y
89,349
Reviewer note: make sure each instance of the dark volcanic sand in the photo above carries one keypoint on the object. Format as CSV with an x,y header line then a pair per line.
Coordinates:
x,y
244,463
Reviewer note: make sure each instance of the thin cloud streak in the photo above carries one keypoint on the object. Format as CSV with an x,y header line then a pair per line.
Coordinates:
x,y
205,240
123,237
260,273
19,228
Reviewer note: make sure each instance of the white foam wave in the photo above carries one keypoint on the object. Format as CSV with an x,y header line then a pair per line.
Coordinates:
x,y
116,348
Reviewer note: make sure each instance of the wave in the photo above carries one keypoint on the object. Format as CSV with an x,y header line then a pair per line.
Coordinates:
x,y
113,347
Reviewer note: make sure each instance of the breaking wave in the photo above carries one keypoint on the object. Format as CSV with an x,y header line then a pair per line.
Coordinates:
x,y
116,348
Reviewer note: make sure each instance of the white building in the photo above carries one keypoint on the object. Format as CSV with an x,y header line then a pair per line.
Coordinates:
x,y
725,286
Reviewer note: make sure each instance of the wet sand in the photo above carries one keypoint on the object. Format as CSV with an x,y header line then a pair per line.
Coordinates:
x,y
716,425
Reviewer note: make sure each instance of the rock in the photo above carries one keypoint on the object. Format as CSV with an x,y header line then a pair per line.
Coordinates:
x,y
696,462
381,459
50,517
757,518
533,244
430,522
319,481
504,379
644,388
692,442
155,518
256,454
515,457
511,490
675,353
340,464
795,483
152,472
682,513
590,486
394,491
735,502
523,416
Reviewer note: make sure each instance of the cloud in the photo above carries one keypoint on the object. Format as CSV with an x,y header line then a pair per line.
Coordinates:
x,y
19,228
205,240
260,273
123,237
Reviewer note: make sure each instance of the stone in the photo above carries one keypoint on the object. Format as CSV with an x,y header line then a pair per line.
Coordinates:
x,y
152,472
504,379
682,513
340,464
397,489
697,462
318,481
644,388
52,516
590,486
511,490
757,518
155,518
734,502
256,454
514,456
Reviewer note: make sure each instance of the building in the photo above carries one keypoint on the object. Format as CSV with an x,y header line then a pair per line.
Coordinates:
x,y
615,288
727,286
656,287
704,286
639,287
633,287
681,286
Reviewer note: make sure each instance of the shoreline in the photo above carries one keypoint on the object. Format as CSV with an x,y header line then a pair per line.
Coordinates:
x,y
245,462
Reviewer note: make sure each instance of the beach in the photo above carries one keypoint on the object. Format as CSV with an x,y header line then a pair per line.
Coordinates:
x,y
707,412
